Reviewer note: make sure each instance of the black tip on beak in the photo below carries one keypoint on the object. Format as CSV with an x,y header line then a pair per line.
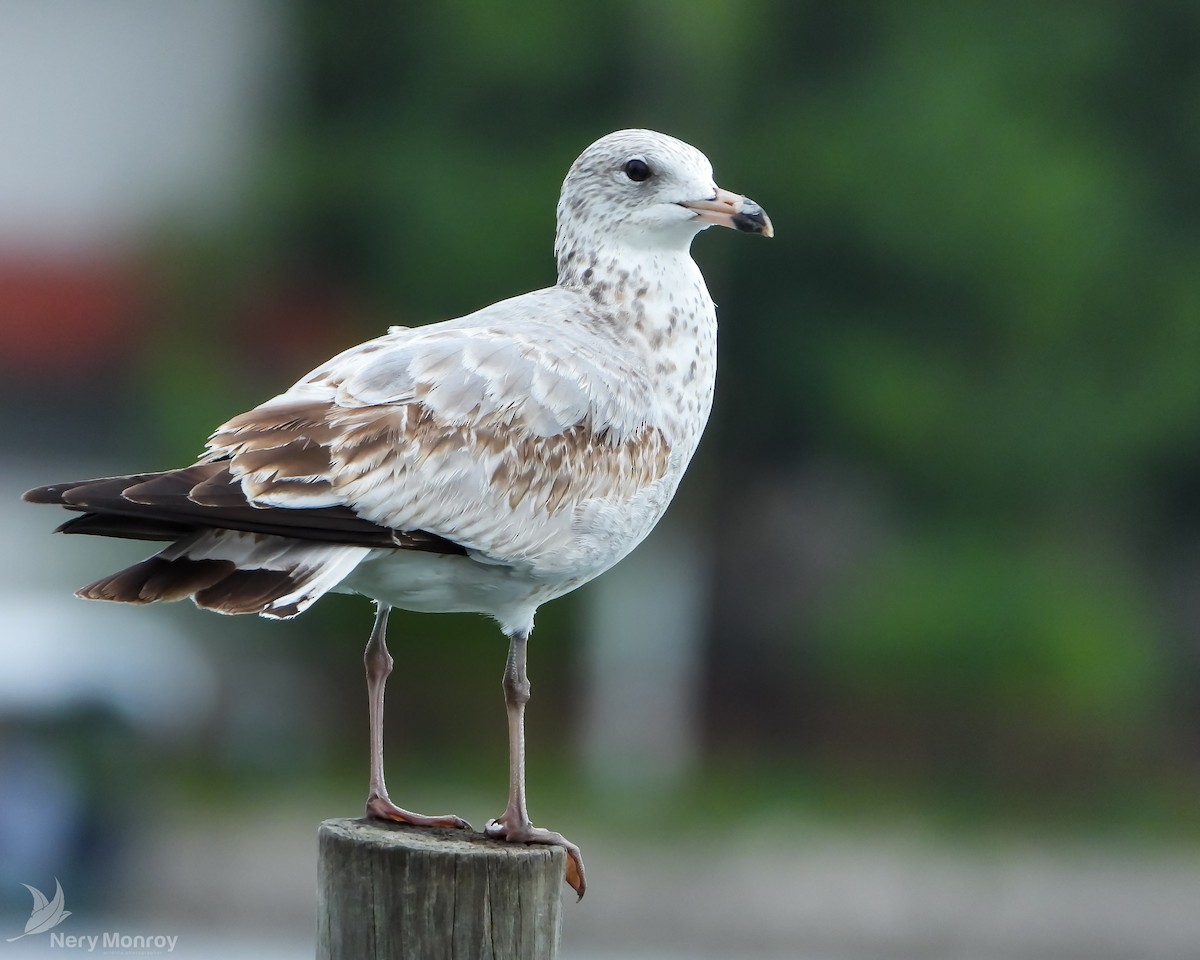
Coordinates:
x,y
751,218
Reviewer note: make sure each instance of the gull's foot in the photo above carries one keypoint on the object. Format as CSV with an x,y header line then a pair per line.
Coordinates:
x,y
526,832
381,808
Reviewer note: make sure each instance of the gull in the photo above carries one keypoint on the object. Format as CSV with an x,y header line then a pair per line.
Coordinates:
x,y
483,464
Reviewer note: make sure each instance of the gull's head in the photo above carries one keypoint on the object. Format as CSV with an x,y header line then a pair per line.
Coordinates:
x,y
641,189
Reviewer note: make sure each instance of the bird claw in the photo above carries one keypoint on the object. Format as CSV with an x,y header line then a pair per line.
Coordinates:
x,y
381,808
528,833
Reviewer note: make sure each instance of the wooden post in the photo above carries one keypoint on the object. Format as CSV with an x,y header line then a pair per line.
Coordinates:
x,y
391,892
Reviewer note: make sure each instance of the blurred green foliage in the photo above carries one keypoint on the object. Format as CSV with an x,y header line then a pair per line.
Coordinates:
x,y
984,298
966,628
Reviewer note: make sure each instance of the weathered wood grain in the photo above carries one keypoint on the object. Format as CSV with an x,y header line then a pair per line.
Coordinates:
x,y
390,892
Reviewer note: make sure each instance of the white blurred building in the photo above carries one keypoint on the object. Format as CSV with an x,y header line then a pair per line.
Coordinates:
x,y
116,117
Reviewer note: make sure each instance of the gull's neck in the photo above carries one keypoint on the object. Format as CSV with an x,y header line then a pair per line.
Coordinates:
x,y
657,300
616,273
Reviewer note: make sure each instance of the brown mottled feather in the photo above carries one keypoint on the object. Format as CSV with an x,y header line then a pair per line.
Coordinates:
x,y
124,586
396,440
180,578
219,490
296,459
246,591
214,584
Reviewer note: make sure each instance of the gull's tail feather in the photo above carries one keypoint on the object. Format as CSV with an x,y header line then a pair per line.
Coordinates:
x,y
158,579
232,572
226,553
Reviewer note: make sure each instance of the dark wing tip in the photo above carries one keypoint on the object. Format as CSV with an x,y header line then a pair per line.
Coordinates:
x,y
50,494
129,528
71,493
171,504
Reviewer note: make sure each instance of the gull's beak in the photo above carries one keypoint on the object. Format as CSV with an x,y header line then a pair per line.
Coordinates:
x,y
732,210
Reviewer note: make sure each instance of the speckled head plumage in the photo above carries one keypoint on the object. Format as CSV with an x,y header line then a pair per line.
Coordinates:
x,y
643,190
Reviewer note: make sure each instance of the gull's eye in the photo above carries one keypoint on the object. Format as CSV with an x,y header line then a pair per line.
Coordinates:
x,y
637,169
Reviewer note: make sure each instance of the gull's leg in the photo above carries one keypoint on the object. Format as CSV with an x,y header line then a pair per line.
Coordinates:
x,y
379,664
513,823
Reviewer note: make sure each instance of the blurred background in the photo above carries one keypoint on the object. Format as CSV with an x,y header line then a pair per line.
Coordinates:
x,y
911,670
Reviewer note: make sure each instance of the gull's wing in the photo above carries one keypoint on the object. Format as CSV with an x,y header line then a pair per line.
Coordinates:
x,y
484,431
481,435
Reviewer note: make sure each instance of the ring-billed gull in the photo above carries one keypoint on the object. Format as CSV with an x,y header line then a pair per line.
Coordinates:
x,y
484,464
